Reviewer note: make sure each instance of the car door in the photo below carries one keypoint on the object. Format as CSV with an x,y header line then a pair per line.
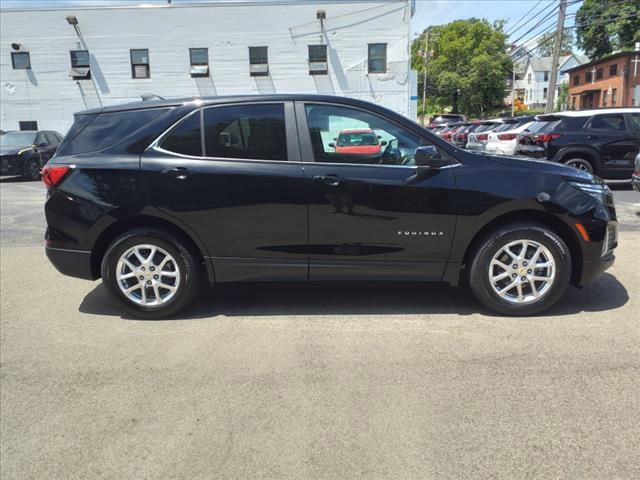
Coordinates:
x,y
371,216
53,143
615,138
232,175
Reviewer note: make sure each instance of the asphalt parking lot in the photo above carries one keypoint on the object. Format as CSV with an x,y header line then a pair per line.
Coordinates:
x,y
313,381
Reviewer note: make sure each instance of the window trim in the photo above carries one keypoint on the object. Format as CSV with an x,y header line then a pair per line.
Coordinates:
x,y
386,58
192,64
259,74
291,134
13,62
324,71
74,68
134,65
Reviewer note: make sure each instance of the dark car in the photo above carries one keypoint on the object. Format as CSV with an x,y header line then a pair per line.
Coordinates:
x,y
604,142
26,152
461,136
155,196
448,118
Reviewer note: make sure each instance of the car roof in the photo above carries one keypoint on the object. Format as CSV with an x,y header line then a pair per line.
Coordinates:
x,y
222,99
588,113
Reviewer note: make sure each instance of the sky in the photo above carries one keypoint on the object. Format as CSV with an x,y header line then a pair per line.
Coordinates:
x,y
428,12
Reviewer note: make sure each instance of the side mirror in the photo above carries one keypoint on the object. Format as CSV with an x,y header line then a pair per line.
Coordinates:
x,y
429,156
383,143
332,145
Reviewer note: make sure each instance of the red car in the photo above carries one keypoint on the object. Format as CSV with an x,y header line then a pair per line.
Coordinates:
x,y
363,141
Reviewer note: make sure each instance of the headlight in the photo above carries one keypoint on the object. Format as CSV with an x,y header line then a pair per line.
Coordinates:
x,y
596,190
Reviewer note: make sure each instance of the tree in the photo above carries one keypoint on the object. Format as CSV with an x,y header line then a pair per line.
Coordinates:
x,y
545,44
603,26
563,97
468,67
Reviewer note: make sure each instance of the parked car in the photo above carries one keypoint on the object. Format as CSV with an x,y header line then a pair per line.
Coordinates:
x,y
461,136
477,140
26,152
452,128
447,118
504,139
604,142
152,196
635,178
363,140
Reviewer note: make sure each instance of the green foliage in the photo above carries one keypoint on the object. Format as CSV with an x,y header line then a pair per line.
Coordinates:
x,y
563,97
605,26
545,44
468,66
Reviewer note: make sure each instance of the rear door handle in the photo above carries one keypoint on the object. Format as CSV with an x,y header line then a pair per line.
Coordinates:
x,y
592,137
330,180
179,173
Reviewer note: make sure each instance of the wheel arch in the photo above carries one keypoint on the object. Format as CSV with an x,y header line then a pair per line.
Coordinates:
x,y
550,221
140,221
587,153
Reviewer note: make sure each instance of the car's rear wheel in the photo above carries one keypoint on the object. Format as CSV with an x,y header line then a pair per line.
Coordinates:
x,y
150,274
32,170
520,269
580,164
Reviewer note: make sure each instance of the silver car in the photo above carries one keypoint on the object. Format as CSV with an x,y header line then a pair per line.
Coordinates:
x,y
635,178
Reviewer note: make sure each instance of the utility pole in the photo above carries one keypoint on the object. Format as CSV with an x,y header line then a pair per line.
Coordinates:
x,y
551,94
513,91
424,78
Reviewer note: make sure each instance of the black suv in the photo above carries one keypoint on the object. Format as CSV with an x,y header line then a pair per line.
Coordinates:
x,y
155,196
26,152
604,142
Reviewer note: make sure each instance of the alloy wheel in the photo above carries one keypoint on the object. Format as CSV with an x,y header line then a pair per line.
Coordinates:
x,y
522,271
148,275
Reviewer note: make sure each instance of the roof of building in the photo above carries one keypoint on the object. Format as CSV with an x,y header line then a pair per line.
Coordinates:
x,y
603,59
541,64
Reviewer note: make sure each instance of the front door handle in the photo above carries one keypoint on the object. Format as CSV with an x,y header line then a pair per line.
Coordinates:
x,y
330,180
592,137
179,173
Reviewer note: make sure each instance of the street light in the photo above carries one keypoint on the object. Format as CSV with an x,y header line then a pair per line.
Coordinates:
x,y
72,20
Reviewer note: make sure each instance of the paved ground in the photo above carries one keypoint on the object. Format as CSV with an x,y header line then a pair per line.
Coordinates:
x,y
313,381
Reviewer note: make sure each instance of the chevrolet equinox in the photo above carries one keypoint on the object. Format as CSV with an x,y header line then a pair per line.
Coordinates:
x,y
157,196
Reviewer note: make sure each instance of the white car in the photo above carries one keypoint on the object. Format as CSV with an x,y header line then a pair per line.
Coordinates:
x,y
504,139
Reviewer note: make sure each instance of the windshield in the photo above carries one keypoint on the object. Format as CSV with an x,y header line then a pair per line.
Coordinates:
x,y
506,126
542,126
350,139
17,139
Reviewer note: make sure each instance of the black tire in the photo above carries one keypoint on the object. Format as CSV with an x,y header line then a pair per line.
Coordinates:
x,y
580,164
32,169
187,262
481,260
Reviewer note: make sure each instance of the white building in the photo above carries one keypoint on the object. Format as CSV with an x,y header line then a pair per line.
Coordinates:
x,y
536,77
50,68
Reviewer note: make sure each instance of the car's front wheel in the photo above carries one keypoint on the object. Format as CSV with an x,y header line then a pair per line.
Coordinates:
x,y
580,164
32,170
520,269
150,274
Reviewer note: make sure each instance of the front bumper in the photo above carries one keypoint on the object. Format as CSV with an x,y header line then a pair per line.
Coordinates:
x,y
11,166
74,263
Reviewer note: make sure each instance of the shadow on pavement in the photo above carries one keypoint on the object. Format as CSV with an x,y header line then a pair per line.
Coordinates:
x,y
14,179
358,299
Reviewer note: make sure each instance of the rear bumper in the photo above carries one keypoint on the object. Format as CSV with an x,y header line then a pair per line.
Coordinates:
x,y
74,263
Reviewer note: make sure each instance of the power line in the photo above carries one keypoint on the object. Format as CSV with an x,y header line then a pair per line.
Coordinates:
x,y
523,16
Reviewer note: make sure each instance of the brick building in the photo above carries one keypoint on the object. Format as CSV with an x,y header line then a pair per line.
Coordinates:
x,y
613,81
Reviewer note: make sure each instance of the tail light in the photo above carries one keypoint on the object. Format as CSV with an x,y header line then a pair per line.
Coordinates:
x,y
462,136
483,137
546,137
52,175
507,136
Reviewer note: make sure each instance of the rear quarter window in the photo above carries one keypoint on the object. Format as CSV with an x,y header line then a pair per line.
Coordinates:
x,y
106,129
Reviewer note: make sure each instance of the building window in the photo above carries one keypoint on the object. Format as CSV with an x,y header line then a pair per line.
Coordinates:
x,y
80,69
29,125
544,93
605,94
599,74
576,80
318,60
140,63
546,76
528,79
199,58
20,60
613,69
588,77
258,61
613,97
377,58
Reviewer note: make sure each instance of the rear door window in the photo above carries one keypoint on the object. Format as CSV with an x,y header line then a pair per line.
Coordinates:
x,y
254,132
612,123
185,139
635,120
